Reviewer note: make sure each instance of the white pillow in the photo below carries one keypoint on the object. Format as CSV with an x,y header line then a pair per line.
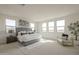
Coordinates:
x,y
19,33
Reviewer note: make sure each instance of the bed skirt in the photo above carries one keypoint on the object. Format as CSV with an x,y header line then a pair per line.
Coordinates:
x,y
29,42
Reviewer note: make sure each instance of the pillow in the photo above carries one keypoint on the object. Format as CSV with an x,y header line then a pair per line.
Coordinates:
x,y
31,32
21,32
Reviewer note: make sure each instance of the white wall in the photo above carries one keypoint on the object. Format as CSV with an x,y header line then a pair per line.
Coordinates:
x,y
53,35
2,30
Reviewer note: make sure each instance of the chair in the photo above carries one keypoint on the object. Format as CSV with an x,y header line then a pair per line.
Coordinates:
x,y
65,40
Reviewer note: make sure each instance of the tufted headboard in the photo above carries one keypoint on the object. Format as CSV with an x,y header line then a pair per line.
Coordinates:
x,y
18,29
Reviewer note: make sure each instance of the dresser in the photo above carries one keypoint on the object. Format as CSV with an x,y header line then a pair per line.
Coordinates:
x,y
11,39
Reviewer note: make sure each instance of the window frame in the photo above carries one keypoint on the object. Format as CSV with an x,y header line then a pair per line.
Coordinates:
x,y
10,26
33,28
44,27
61,26
51,26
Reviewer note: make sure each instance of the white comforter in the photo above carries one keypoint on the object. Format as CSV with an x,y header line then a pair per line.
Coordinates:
x,y
28,37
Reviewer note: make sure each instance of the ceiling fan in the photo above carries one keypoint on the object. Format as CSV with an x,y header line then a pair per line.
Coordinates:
x,y
22,4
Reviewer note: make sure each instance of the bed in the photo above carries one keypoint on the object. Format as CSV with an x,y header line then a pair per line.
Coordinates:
x,y
26,36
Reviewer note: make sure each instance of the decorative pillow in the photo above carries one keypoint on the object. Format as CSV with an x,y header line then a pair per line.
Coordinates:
x,y
21,32
25,32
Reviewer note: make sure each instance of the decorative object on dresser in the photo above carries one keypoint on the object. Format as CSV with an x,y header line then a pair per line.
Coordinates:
x,y
11,39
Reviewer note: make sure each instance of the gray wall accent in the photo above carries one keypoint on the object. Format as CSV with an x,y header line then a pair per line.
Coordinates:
x,y
18,29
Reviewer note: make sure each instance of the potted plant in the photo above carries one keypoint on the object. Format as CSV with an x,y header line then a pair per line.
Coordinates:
x,y
74,29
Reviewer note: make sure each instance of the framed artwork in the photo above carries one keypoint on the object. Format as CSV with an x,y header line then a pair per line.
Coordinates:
x,y
23,22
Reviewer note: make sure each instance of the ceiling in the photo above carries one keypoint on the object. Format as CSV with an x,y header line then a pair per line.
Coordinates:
x,y
39,12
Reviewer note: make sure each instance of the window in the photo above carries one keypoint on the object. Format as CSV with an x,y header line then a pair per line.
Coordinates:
x,y
10,25
44,27
32,25
51,26
60,25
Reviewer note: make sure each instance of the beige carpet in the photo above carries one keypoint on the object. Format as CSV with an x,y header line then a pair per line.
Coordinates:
x,y
45,47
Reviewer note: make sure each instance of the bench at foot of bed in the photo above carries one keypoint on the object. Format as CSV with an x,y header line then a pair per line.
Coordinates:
x,y
29,42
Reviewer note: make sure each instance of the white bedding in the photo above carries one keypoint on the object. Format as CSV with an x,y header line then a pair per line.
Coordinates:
x,y
28,37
